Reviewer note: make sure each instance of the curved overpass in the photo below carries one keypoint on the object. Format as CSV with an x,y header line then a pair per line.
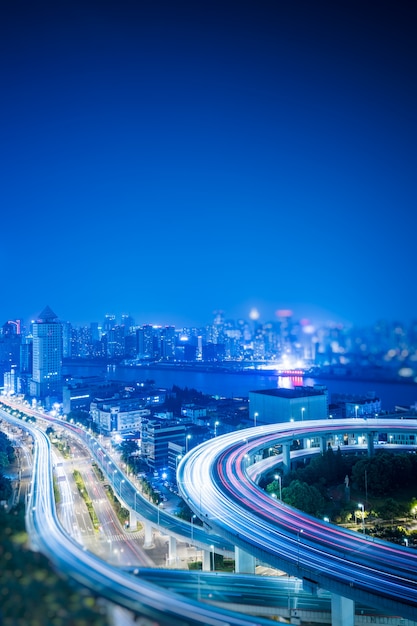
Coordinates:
x,y
215,481
165,608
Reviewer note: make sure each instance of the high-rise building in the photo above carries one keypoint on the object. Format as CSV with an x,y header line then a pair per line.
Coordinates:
x,y
145,342
46,380
168,338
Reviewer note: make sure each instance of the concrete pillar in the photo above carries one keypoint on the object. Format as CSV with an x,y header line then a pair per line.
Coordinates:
x,y
286,457
343,611
133,520
148,535
323,444
172,549
206,566
370,440
244,563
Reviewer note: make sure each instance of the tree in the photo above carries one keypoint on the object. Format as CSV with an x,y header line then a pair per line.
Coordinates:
x,y
307,498
5,487
390,509
385,472
128,448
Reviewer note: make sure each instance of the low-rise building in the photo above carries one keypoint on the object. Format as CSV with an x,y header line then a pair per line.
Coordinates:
x,y
269,406
156,437
117,416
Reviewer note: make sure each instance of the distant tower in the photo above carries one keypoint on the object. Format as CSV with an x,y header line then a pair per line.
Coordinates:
x,y
47,357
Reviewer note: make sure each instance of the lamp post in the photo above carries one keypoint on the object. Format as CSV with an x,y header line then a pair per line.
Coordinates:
x,y
187,439
159,508
356,410
215,428
255,416
212,557
362,508
302,413
278,478
192,527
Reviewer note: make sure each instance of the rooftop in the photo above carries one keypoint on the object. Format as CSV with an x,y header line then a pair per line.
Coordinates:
x,y
297,392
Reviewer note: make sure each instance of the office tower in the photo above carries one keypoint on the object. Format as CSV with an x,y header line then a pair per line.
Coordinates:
x,y
46,380
168,341
145,342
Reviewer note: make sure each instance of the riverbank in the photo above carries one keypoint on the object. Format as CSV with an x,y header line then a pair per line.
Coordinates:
x,y
366,375
217,382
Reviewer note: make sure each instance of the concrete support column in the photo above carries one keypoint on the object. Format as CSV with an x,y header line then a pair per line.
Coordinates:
x,y
148,535
343,611
133,519
370,441
207,560
172,549
244,563
323,444
286,457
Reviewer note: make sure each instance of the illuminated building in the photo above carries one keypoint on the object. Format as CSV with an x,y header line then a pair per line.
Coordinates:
x,y
46,383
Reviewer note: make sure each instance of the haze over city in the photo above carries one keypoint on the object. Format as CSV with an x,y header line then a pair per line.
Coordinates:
x,y
167,159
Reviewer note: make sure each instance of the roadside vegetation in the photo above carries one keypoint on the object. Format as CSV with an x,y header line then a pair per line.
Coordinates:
x,y
84,494
375,494
7,457
32,593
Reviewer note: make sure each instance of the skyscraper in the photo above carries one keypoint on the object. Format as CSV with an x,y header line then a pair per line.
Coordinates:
x,y
46,383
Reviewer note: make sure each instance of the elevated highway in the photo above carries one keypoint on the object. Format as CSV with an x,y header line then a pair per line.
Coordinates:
x,y
146,599
214,478
227,468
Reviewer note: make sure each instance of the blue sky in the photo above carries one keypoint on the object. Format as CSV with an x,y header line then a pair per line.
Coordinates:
x,y
166,159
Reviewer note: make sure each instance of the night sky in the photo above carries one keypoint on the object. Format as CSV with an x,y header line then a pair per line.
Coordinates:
x,y
169,159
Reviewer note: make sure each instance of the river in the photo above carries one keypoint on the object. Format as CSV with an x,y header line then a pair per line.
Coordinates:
x,y
231,385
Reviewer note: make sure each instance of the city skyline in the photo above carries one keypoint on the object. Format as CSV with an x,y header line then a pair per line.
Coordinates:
x,y
252,317
165,160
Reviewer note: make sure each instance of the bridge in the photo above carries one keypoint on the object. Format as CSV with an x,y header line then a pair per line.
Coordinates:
x,y
218,481
229,468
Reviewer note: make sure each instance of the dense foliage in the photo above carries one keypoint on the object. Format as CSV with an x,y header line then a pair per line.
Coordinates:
x,y
7,454
31,593
385,472
320,486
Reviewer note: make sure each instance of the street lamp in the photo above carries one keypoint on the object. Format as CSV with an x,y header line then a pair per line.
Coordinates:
x,y
212,557
187,439
356,410
192,527
161,504
362,508
302,413
255,416
278,478
215,428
